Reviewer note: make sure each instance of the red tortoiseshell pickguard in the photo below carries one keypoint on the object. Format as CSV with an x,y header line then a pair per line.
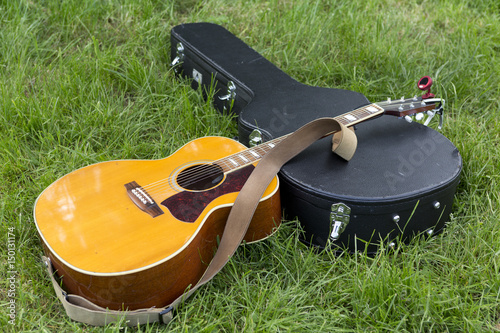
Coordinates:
x,y
188,205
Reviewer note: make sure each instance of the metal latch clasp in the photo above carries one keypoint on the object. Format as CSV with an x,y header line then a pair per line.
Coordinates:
x,y
339,219
255,138
179,55
231,92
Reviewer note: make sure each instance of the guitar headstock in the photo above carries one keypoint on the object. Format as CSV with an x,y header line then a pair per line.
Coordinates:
x,y
416,108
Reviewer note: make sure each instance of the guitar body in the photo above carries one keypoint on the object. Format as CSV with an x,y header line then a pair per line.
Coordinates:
x,y
117,255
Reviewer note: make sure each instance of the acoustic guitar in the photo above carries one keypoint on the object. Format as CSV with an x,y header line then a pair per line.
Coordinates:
x,y
131,234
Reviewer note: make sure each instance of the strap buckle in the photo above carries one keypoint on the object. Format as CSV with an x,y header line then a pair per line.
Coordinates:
x,y
166,315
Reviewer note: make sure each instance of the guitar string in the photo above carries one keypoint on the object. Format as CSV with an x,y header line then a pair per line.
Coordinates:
x,y
204,171
222,162
188,179
199,172
201,169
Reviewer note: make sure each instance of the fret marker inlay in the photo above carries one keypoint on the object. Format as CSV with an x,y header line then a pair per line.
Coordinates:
x,y
350,117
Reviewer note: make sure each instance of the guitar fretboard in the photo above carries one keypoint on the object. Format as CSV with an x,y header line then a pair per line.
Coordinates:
x,y
254,154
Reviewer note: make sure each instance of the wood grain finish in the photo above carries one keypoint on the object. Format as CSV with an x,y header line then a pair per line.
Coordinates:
x,y
109,251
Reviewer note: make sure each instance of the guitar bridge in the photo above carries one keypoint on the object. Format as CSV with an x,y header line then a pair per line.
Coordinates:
x,y
142,199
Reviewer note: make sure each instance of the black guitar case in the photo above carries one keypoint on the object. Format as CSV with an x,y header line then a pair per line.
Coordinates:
x,y
400,182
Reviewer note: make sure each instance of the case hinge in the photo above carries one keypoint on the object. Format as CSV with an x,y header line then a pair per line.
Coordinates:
x,y
339,218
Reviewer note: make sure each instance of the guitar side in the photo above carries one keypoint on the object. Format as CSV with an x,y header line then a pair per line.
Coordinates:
x,y
116,255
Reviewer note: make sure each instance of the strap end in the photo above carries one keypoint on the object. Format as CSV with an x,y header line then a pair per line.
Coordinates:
x,y
167,315
344,143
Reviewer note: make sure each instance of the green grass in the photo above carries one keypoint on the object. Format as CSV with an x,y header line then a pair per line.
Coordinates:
x,y
89,81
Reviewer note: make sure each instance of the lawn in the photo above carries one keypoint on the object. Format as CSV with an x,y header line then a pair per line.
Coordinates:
x,y
89,81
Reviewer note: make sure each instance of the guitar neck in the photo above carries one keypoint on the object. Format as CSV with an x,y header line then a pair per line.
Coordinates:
x,y
254,154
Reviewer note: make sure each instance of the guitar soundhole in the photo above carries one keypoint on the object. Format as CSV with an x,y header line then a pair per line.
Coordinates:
x,y
200,177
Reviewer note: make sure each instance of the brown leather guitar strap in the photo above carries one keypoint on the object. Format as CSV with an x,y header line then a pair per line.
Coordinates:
x,y
344,144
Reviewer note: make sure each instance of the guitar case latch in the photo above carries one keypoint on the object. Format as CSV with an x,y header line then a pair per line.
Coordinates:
x,y
230,95
339,219
255,138
179,57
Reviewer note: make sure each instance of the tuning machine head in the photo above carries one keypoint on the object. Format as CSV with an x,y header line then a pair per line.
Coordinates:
x,y
438,110
415,109
427,116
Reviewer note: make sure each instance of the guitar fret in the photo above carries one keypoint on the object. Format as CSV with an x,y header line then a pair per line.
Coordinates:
x,y
254,153
350,117
260,150
342,120
241,156
359,115
233,161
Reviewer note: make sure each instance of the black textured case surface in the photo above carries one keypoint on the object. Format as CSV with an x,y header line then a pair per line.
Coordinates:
x,y
400,182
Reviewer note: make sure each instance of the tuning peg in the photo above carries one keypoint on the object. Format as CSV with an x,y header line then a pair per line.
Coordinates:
x,y
408,119
440,113
419,116
432,113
